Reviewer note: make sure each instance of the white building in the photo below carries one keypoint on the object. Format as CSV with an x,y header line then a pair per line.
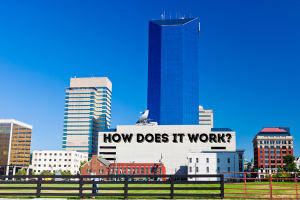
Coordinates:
x,y
212,162
173,152
54,160
206,117
87,111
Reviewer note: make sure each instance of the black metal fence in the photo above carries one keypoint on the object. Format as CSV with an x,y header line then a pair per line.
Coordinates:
x,y
124,180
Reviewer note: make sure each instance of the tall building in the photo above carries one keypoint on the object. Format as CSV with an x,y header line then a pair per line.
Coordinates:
x,y
87,111
270,145
206,117
173,72
54,160
15,143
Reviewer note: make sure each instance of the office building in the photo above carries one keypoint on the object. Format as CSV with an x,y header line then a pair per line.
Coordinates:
x,y
206,117
173,151
87,111
55,160
270,145
213,162
15,143
173,71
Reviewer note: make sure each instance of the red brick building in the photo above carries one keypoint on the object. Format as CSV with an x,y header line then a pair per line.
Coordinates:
x,y
96,166
137,168
270,145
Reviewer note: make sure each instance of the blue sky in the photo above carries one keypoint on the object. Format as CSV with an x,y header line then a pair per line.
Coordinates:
x,y
249,61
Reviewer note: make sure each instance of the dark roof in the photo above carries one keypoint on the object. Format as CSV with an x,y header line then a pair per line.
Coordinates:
x,y
274,131
220,129
170,22
109,130
104,161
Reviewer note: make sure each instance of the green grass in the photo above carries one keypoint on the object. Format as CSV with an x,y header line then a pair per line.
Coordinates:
x,y
239,188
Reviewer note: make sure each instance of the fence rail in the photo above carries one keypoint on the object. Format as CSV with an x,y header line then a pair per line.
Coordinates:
x,y
125,182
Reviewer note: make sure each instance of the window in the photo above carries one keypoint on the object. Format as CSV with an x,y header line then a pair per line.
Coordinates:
x,y
54,166
190,169
101,171
59,165
283,147
35,165
278,161
55,154
129,171
272,147
261,161
40,159
137,170
267,157
35,159
36,154
65,159
272,142
283,152
197,160
267,152
278,157
70,160
66,154
89,164
266,147
218,160
59,159
45,159
272,152
207,169
260,156
190,160
197,169
273,156
44,165
218,170
283,142
272,161
69,165
207,160
40,154
277,152
50,154
260,142
45,154
54,159
146,170
60,154
142,170
65,165
228,160
49,159
49,165
272,166
101,164
267,166
277,147
266,161
228,169
277,142
260,151
89,170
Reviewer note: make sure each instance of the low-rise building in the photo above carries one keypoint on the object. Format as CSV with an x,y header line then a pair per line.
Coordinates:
x,y
138,168
54,160
212,162
95,166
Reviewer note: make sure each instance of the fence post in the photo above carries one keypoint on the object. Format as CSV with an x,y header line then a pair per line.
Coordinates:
x,y
38,186
271,193
222,186
245,182
126,187
80,186
172,186
296,185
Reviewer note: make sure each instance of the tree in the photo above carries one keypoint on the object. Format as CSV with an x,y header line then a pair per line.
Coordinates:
x,y
290,165
100,156
81,164
21,172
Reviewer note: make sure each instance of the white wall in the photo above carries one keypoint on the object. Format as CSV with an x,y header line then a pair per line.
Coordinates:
x,y
174,154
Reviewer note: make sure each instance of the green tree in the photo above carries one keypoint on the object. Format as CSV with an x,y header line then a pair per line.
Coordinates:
x,y
290,165
81,164
100,156
21,172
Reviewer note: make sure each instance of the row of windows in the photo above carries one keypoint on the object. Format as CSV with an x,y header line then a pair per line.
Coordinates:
x,y
272,161
272,156
60,154
275,142
204,115
207,169
277,147
39,165
207,160
277,152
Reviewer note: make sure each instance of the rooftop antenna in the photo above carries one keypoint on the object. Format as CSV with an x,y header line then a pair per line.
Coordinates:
x,y
199,29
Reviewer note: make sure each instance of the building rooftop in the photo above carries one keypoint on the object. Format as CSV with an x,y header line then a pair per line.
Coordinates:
x,y
220,129
15,122
274,131
172,22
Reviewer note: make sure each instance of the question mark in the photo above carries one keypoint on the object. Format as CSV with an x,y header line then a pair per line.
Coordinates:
x,y
229,137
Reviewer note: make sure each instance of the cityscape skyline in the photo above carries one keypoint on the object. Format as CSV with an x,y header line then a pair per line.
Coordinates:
x,y
244,71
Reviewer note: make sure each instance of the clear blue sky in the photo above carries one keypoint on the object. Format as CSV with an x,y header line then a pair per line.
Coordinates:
x,y
249,61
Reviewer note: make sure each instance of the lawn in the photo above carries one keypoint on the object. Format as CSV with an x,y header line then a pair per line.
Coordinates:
x,y
252,187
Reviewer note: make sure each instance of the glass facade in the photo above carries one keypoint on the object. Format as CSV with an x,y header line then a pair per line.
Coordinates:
x,y
173,72
87,111
20,144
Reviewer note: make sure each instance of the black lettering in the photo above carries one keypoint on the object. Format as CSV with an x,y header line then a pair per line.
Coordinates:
x,y
157,138
181,135
212,138
221,137
205,137
165,138
175,138
151,138
193,137
107,137
140,138
127,137
118,138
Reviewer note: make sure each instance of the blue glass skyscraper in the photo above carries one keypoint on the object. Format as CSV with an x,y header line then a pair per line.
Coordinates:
x,y
173,72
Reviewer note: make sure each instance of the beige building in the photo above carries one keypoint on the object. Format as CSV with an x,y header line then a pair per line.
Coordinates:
x,y
206,117
87,111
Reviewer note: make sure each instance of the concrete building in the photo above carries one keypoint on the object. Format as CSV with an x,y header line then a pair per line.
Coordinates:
x,y
149,143
173,71
270,145
213,162
54,160
15,143
87,111
206,117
